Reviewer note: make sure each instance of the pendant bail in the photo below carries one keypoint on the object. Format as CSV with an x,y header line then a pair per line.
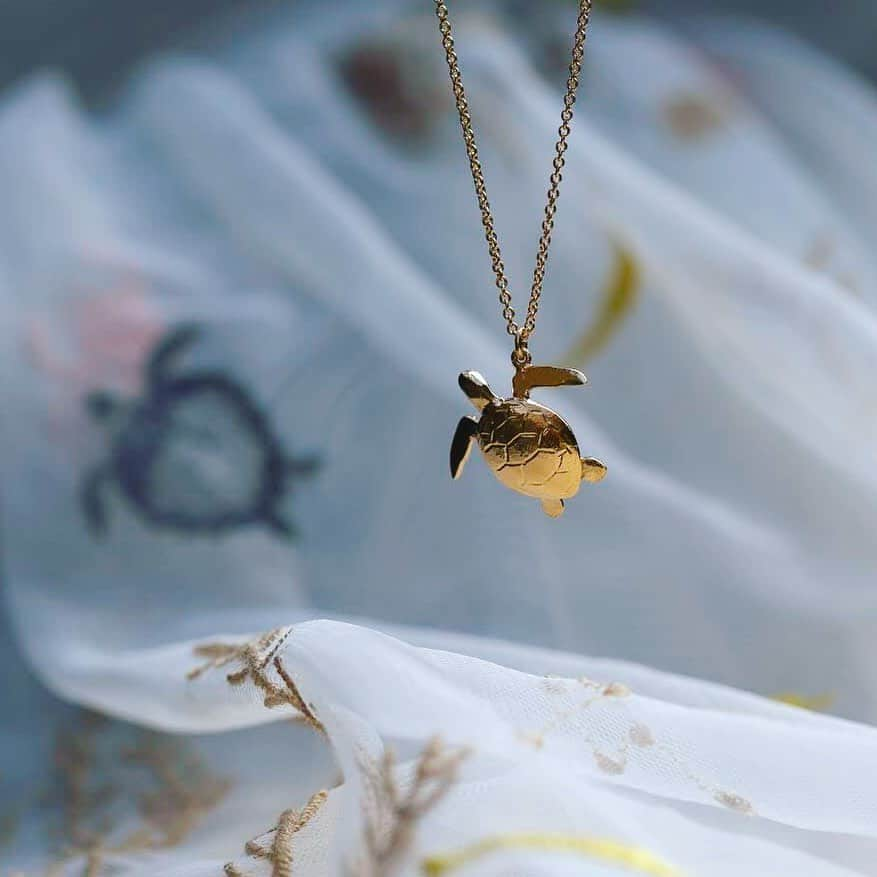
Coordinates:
x,y
521,354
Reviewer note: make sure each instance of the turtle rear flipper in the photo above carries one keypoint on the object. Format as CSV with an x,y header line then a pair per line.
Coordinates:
x,y
552,507
91,501
461,445
303,467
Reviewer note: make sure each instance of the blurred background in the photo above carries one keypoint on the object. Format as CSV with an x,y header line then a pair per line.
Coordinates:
x,y
289,178
98,42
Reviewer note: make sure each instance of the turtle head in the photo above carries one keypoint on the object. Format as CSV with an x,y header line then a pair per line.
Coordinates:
x,y
102,405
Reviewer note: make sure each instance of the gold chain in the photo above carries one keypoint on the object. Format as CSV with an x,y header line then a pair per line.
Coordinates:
x,y
521,334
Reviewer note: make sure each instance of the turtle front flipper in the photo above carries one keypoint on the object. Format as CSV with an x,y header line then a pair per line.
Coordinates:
x,y
91,501
552,507
593,470
461,445
531,376
170,348
476,389
276,522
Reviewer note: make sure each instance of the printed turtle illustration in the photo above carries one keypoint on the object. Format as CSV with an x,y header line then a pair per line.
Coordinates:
x,y
528,447
194,454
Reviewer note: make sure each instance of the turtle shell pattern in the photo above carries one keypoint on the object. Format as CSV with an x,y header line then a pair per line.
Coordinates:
x,y
530,449
199,455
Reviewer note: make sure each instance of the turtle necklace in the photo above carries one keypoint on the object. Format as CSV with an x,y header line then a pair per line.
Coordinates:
x,y
528,447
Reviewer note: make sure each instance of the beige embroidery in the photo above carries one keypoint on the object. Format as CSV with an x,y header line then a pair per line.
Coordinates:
x,y
693,117
390,826
612,766
733,801
641,735
615,761
616,689
554,684
608,689
257,656
184,790
253,654
536,739
612,690
280,852
170,786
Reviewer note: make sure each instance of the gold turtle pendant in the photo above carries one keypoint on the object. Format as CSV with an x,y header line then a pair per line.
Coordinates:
x,y
529,447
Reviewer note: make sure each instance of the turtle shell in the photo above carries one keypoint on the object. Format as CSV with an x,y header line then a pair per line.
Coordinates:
x,y
197,454
530,449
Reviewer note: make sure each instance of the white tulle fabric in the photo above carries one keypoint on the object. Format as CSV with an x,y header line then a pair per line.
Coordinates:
x,y
339,274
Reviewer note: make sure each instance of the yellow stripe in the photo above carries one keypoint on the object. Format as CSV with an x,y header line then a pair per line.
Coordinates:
x,y
816,702
632,858
617,302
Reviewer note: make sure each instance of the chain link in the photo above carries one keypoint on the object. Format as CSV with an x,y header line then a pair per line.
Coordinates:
x,y
521,333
